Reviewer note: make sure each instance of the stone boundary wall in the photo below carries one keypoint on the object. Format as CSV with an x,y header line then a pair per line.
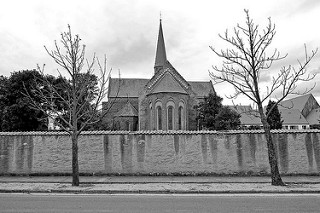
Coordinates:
x,y
160,152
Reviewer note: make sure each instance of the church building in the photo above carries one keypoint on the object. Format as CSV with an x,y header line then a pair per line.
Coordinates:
x,y
164,102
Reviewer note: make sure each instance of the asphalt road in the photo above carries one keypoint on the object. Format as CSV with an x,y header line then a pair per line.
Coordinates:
x,y
160,203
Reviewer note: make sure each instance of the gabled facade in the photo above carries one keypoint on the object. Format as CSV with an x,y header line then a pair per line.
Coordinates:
x,y
164,102
314,117
299,112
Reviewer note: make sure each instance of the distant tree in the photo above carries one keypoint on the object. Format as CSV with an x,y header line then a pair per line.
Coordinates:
x,y
82,97
228,119
63,85
3,92
245,58
212,115
208,110
17,115
274,118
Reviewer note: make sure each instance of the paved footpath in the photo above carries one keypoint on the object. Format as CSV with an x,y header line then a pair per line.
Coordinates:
x,y
157,184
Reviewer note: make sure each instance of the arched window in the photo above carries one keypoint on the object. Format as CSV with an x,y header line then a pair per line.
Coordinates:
x,y
159,118
170,118
128,125
180,115
170,115
151,117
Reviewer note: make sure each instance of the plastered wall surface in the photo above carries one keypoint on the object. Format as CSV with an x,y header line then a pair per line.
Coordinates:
x,y
147,152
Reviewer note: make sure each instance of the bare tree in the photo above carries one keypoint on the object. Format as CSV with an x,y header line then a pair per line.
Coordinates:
x,y
242,66
75,104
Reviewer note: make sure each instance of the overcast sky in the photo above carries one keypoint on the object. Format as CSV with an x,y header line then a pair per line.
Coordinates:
x,y
126,31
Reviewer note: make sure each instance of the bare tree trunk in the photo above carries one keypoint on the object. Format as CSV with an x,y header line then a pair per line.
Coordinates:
x,y
243,63
75,164
76,100
273,161
275,174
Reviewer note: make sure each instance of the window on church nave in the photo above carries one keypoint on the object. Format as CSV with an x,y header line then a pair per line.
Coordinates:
x,y
181,116
170,118
151,117
159,118
180,111
170,115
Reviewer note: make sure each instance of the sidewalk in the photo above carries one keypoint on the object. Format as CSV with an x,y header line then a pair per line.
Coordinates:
x,y
157,184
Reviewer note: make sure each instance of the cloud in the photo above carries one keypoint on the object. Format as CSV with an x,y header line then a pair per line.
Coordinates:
x,y
306,5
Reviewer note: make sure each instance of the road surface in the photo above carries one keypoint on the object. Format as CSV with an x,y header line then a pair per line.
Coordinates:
x,y
160,203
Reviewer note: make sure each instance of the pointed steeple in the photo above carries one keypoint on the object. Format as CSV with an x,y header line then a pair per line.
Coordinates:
x,y
161,56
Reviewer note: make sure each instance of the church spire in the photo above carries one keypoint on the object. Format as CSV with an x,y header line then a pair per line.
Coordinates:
x,y
161,56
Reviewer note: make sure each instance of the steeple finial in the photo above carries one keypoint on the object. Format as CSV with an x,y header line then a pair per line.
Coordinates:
x,y
161,56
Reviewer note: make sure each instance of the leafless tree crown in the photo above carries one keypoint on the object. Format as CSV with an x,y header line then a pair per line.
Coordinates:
x,y
247,57
82,98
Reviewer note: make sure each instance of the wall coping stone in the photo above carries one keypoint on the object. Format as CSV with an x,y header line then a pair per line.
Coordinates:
x,y
161,132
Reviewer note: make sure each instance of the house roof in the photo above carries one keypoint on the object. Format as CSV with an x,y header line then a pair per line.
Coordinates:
x,y
295,103
248,115
240,108
127,111
250,119
292,117
125,87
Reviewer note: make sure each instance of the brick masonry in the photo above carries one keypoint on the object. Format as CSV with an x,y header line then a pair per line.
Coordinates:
x,y
150,152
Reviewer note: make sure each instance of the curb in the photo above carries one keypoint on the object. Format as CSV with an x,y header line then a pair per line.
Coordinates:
x,y
162,182
157,192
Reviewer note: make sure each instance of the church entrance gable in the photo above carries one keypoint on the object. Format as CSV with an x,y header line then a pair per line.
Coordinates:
x,y
168,83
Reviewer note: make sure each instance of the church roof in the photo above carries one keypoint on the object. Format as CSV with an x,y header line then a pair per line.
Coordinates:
x,y
201,88
127,111
130,87
126,87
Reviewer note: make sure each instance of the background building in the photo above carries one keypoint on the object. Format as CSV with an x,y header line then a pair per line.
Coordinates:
x,y
297,113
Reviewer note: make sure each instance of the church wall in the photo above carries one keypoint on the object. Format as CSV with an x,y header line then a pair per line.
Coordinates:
x,y
126,123
163,98
236,152
143,112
